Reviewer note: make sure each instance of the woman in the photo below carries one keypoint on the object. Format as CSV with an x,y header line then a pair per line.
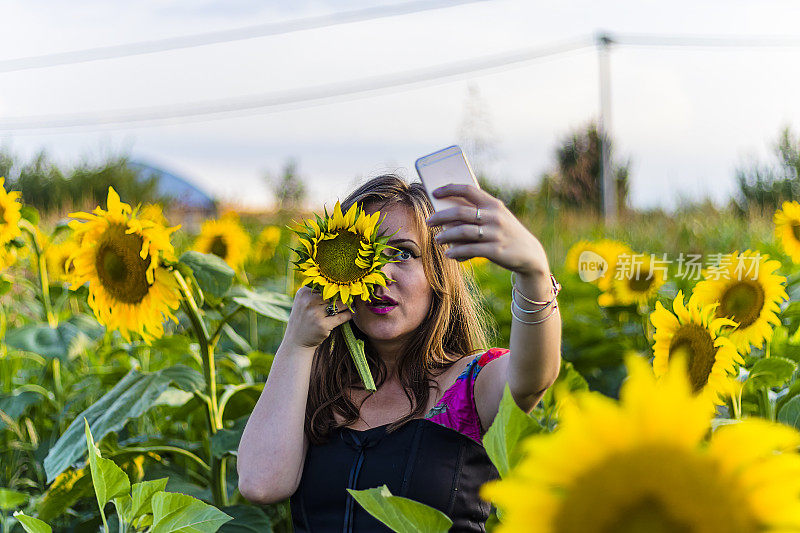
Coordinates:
x,y
315,431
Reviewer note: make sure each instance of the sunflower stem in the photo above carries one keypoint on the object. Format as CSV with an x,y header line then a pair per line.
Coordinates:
x,y
44,281
356,347
218,488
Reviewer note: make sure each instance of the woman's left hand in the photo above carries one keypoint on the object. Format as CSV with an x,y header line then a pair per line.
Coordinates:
x,y
487,229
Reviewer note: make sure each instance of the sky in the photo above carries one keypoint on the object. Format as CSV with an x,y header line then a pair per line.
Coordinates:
x,y
685,118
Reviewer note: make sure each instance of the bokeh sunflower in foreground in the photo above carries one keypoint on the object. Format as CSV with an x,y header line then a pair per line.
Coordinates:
x,y
787,229
643,465
121,258
225,238
342,256
749,292
10,207
694,334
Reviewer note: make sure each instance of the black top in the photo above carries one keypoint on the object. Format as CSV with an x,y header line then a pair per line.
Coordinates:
x,y
424,461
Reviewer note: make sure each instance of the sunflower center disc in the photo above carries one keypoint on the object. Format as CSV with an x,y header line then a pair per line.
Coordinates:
x,y
647,515
694,343
640,283
337,258
219,247
795,230
742,300
122,272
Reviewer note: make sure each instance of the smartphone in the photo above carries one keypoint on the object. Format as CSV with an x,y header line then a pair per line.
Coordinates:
x,y
441,168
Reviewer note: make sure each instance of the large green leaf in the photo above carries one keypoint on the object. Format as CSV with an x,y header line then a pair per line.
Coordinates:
x,y
771,372
246,519
270,304
130,398
184,514
11,499
213,275
789,414
31,524
186,378
109,480
509,427
401,514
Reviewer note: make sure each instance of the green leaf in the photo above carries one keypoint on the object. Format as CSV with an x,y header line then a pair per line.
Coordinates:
x,y
11,499
109,480
123,506
184,514
771,372
31,524
15,405
44,340
782,345
509,427
142,494
401,514
68,488
30,214
186,378
130,398
213,275
226,441
789,414
246,519
270,304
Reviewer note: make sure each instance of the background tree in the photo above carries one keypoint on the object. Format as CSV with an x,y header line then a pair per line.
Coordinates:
x,y
288,189
763,188
577,181
53,189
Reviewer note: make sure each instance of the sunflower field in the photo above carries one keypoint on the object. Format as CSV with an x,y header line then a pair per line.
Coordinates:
x,y
132,353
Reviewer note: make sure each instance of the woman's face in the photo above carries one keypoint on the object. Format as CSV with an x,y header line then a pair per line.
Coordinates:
x,y
390,325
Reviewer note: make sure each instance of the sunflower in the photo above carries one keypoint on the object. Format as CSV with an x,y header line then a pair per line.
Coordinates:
x,y
787,228
342,254
120,256
749,292
8,256
575,252
643,465
613,252
632,285
694,333
57,256
267,243
225,238
9,214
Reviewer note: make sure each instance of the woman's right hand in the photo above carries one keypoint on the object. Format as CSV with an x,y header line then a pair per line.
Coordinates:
x,y
308,323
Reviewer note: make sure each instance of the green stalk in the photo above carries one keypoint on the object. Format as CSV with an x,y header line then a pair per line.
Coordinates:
x,y
218,488
356,347
44,280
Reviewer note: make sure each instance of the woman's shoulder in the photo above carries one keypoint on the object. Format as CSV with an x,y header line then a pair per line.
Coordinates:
x,y
482,359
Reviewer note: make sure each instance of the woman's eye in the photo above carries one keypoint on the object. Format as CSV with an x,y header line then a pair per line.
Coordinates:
x,y
401,253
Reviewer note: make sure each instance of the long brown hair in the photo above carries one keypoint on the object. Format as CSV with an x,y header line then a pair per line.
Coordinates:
x,y
455,324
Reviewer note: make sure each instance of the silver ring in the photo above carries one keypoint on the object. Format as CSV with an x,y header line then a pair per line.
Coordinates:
x,y
478,214
330,309
480,232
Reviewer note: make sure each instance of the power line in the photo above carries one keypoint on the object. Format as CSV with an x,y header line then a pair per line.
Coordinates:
x,y
703,41
223,36
283,99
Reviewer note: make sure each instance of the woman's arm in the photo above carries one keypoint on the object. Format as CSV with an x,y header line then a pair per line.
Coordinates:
x,y
490,230
273,446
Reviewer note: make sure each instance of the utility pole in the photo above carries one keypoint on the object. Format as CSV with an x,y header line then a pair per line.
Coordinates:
x,y
604,42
